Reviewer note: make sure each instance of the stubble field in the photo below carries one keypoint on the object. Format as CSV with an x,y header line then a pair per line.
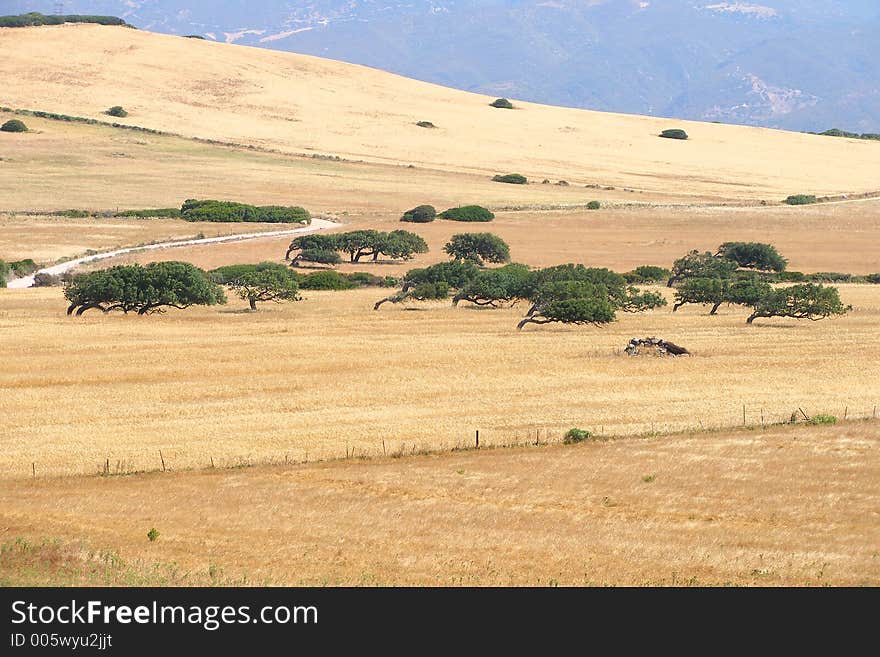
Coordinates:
x,y
328,376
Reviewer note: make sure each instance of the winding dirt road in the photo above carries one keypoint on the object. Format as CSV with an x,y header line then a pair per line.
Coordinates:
x,y
64,267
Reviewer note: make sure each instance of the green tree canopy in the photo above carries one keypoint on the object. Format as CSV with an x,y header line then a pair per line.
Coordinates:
x,y
804,301
753,255
700,265
145,290
267,281
496,287
478,248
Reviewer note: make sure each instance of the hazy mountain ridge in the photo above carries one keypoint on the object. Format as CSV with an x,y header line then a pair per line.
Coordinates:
x,y
781,63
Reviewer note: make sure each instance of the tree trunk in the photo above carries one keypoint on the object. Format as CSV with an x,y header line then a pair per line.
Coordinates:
x,y
253,302
71,308
714,310
677,306
752,318
90,306
380,302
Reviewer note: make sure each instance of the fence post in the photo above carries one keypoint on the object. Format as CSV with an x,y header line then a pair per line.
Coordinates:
x,y
162,458
34,469
744,415
478,439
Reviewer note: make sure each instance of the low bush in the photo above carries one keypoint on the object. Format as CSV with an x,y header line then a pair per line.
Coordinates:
x,y
647,274
4,272
823,419
425,124
501,103
468,213
228,211
576,435
511,178
873,278
318,257
326,280
14,125
42,279
420,215
675,133
593,205
164,213
800,199
117,110
23,267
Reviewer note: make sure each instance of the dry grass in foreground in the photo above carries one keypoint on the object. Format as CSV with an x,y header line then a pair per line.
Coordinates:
x,y
320,378
789,505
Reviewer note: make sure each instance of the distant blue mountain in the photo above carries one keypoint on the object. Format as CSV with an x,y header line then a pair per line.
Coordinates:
x,y
796,64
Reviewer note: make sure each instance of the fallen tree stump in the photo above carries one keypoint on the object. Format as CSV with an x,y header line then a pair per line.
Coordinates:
x,y
661,347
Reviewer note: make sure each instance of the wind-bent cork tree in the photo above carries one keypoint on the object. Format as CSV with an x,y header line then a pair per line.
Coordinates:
x,y
479,248
806,301
267,281
145,290
496,287
434,282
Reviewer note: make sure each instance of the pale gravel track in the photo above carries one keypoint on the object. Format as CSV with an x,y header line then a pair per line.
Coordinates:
x,y
64,267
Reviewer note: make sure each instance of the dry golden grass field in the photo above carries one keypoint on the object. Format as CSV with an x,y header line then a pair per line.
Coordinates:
x,y
291,386
782,506
328,375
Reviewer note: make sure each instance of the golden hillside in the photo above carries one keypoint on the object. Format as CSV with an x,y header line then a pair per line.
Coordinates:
x,y
301,104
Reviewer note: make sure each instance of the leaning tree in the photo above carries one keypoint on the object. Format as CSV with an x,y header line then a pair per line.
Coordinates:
x,y
700,265
432,282
806,301
267,281
575,294
496,287
399,245
314,248
478,247
753,255
145,290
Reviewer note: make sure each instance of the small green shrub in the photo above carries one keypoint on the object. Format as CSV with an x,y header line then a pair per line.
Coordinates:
x,y
23,267
319,256
873,279
823,419
425,124
14,125
675,133
117,110
800,199
420,215
326,280
364,279
43,279
4,272
468,213
502,103
576,435
164,213
153,534
593,205
34,18
511,178
647,274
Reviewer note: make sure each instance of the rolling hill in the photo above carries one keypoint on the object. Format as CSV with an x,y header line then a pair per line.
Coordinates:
x,y
794,64
306,105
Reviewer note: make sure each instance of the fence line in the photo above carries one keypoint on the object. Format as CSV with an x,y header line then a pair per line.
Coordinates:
x,y
747,417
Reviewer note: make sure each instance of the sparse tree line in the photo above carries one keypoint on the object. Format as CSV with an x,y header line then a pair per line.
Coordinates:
x,y
740,273
356,244
737,273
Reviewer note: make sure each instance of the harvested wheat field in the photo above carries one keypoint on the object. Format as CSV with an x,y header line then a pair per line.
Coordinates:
x,y
783,506
328,376
299,104
831,237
